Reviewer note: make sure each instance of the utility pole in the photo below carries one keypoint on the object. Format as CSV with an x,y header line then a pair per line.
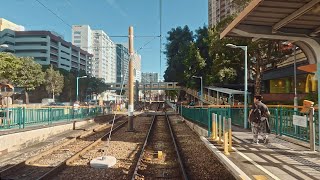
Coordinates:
x,y
130,82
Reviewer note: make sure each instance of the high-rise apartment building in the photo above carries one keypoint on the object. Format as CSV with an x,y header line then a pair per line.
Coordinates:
x,y
149,77
82,37
122,63
218,10
46,48
103,49
137,67
5,24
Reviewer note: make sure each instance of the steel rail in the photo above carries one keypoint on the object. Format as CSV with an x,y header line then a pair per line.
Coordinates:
x,y
30,161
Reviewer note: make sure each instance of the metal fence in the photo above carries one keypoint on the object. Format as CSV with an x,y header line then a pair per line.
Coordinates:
x,y
281,119
20,117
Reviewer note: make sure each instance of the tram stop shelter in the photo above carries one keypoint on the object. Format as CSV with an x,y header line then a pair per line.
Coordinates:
x,y
222,92
296,21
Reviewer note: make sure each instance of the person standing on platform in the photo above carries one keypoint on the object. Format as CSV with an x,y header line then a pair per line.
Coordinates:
x,y
258,117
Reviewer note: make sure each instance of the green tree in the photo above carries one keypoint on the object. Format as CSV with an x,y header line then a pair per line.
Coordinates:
x,y
172,94
179,40
194,64
54,82
265,53
206,55
22,71
229,63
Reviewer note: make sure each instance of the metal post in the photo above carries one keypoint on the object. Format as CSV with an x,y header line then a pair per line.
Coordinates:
x,y
8,120
245,87
77,88
130,82
312,130
295,100
220,129
201,91
144,96
150,90
318,77
217,98
216,122
158,91
230,134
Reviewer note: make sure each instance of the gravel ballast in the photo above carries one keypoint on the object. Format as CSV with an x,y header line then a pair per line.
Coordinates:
x,y
200,163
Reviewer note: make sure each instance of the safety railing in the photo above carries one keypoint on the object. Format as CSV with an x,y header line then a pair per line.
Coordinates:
x,y
281,119
19,117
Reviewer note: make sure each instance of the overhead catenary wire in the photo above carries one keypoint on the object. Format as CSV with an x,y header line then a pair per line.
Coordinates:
x,y
66,23
116,36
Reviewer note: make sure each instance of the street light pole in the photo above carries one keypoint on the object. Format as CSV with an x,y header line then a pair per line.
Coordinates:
x,y
78,86
245,87
295,100
245,48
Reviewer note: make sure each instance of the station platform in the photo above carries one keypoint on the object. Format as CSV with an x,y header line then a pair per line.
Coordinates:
x,y
279,159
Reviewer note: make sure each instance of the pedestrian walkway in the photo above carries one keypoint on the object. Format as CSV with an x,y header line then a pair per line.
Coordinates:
x,y
278,159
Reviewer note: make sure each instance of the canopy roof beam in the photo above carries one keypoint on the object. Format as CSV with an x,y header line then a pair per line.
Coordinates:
x,y
301,11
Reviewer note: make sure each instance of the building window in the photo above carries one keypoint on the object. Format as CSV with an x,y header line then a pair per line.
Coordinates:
x,y
77,41
77,32
77,37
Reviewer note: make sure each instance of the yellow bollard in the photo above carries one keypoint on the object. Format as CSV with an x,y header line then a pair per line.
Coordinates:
x,y
160,155
216,119
214,134
220,129
230,135
225,137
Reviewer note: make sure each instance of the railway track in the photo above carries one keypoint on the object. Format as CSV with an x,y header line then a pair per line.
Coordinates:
x,y
53,160
124,146
160,158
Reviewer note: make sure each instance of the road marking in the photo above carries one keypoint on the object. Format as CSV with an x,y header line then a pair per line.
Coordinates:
x,y
254,163
260,177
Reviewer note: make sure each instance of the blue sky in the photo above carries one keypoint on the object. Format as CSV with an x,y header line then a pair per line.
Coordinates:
x,y
114,17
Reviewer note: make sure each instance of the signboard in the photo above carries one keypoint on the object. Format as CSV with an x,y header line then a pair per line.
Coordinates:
x,y
300,120
306,106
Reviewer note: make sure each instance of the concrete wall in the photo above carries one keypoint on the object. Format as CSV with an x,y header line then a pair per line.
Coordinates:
x,y
17,141
199,130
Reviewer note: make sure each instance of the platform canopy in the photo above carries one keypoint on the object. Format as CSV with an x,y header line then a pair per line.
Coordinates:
x,y
294,20
225,90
